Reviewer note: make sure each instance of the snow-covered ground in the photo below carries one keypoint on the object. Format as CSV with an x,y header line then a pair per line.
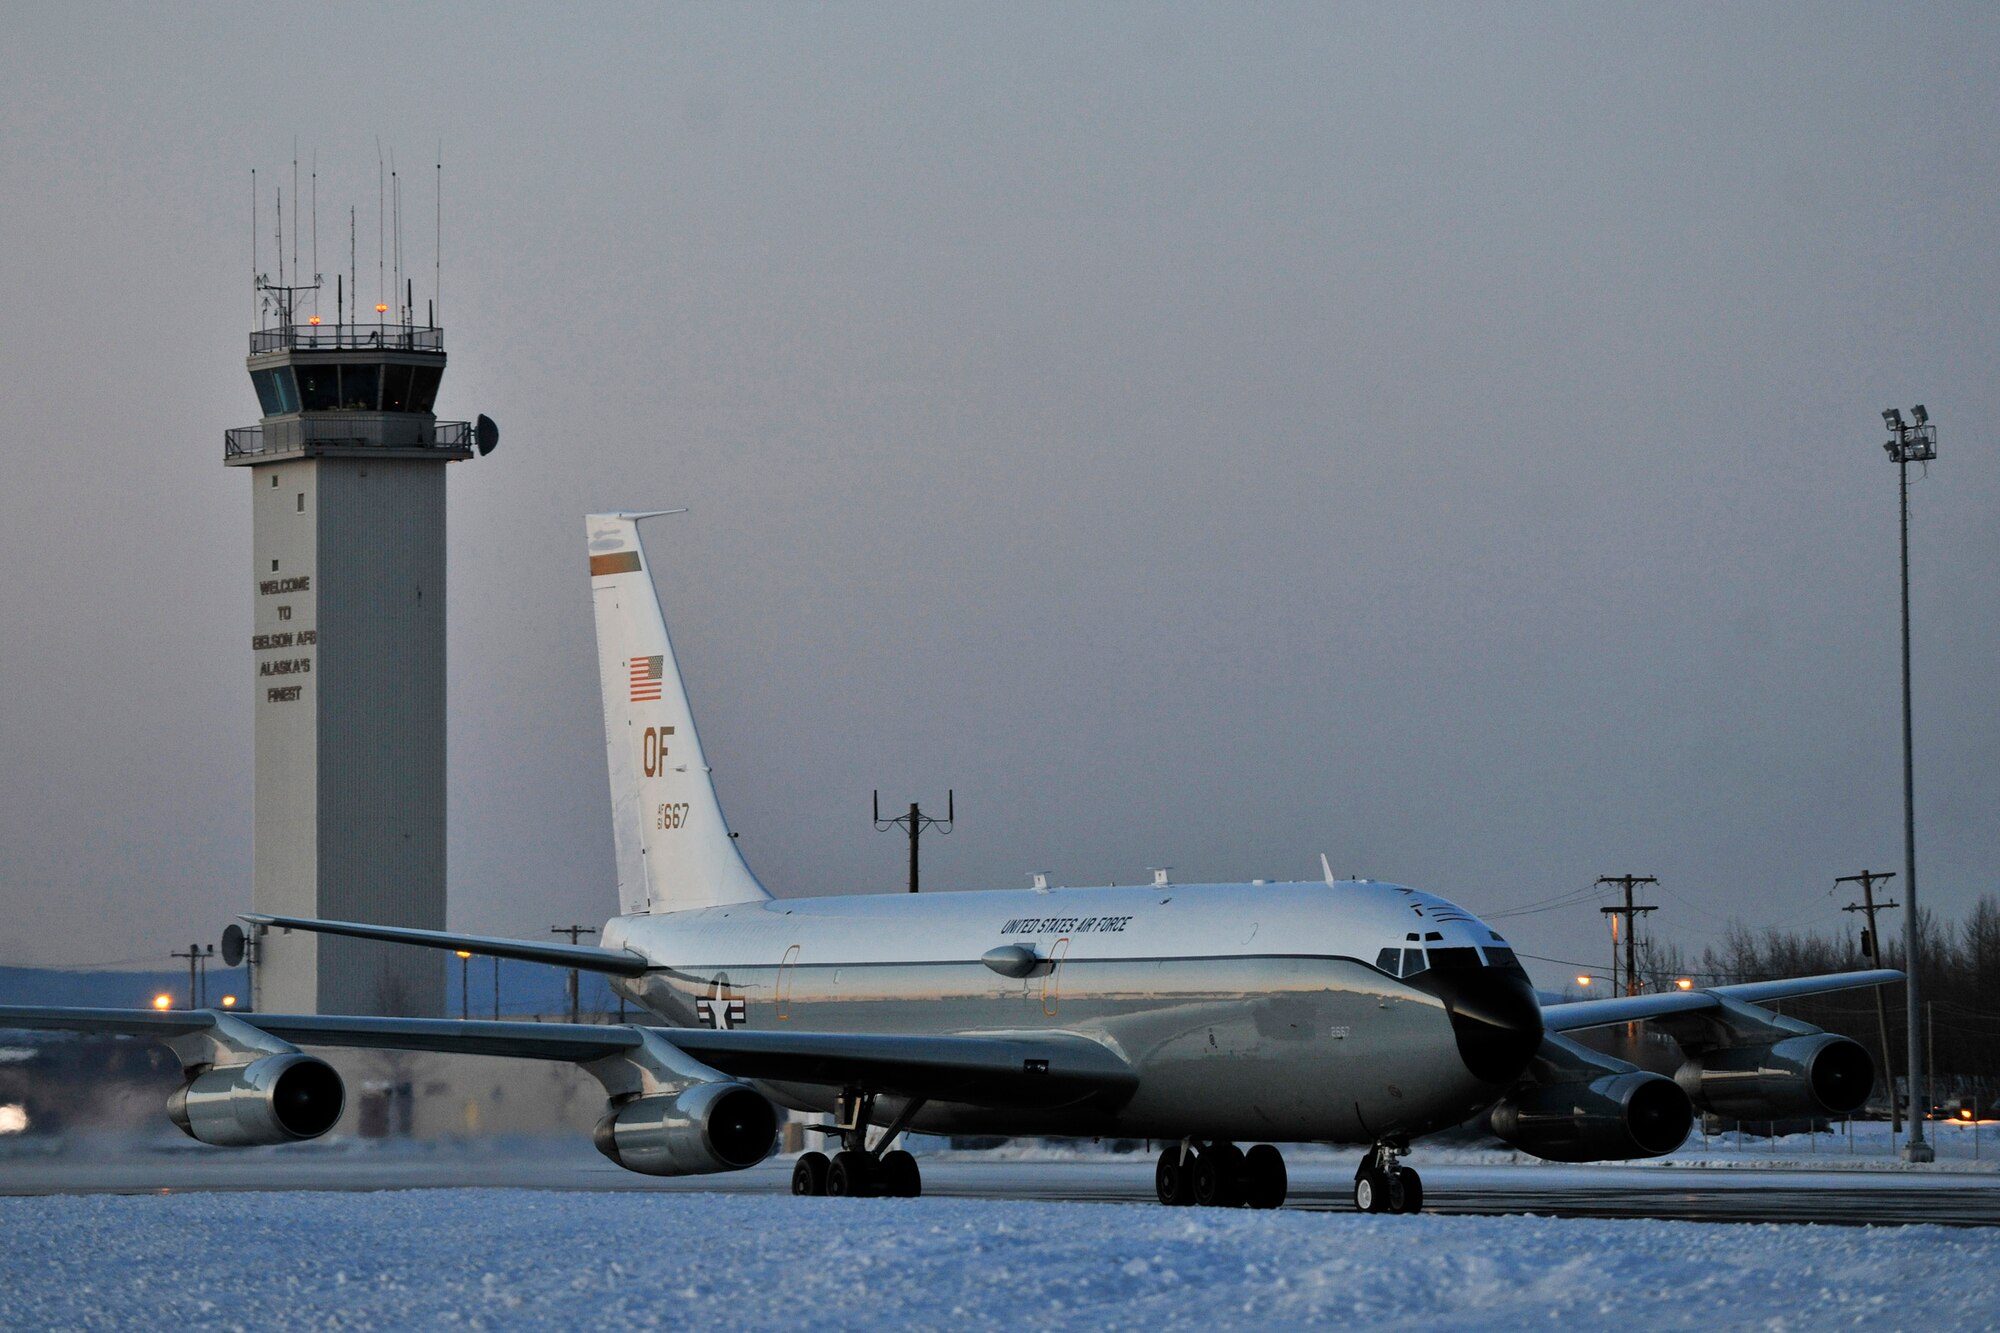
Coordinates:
x,y
539,1259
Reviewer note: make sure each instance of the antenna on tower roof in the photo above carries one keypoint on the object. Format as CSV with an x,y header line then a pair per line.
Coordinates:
x,y
396,227
295,206
437,244
315,229
253,248
381,229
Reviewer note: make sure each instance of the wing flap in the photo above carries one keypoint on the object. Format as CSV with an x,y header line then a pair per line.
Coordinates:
x,y
1000,1069
162,1023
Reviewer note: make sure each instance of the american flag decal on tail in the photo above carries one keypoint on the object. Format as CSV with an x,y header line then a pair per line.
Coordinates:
x,y
646,674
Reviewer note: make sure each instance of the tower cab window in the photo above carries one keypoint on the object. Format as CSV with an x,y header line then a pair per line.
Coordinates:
x,y
319,388
360,388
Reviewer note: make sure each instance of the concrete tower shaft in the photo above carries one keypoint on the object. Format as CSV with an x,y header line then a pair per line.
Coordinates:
x,y
348,647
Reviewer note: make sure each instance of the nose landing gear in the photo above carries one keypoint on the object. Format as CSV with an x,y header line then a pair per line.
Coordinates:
x,y
1220,1175
1384,1185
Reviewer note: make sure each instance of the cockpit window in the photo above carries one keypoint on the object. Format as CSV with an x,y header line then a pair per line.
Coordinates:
x,y
1499,957
1389,960
1455,958
1413,962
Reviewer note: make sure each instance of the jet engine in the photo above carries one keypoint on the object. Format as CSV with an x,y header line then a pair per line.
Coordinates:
x,y
717,1126
1818,1074
1613,1117
278,1099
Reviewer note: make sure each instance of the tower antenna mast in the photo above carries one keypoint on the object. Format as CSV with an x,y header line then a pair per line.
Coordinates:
x,y
381,225
437,244
315,229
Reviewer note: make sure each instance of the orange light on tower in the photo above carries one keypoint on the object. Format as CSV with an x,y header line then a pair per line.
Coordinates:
x,y
163,1001
1685,983
313,320
381,309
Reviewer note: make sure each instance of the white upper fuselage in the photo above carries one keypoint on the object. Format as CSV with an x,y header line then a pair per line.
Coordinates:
x,y
1351,918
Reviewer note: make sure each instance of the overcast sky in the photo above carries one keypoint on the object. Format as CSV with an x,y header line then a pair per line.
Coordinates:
x,y
1442,437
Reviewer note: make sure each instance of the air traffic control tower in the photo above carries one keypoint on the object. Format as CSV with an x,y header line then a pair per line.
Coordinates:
x,y
347,472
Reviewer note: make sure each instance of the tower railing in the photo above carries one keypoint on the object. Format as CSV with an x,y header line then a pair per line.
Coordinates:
x,y
251,441
347,338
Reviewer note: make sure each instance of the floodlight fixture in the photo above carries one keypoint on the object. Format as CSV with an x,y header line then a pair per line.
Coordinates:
x,y
1893,419
1920,414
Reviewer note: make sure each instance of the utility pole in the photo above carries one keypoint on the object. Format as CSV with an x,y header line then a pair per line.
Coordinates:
x,y
197,991
1912,442
574,933
464,984
916,822
1871,944
1630,912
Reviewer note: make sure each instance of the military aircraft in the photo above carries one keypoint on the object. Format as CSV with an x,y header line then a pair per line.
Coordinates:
x,y
1204,1015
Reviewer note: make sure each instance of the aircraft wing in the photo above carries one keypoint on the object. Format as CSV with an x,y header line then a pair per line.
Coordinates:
x,y
1578,1014
1026,1069
583,957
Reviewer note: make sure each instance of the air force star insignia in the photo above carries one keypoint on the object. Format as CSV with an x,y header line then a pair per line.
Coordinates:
x,y
720,1009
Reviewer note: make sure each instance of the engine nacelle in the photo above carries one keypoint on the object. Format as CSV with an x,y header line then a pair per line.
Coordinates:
x,y
1820,1074
1617,1116
708,1127
278,1099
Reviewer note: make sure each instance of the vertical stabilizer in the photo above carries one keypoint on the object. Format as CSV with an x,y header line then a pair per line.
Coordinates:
x,y
674,848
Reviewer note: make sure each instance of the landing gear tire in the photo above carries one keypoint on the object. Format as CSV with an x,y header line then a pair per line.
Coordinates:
x,y
897,1176
1264,1181
1218,1176
1413,1191
1371,1191
1173,1179
809,1175
850,1175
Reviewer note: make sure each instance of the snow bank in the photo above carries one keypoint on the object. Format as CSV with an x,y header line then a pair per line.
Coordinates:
x,y
532,1259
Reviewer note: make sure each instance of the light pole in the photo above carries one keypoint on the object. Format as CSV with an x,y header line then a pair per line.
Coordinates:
x,y
1910,442
464,983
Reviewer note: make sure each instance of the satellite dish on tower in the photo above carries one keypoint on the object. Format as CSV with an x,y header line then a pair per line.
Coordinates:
x,y
232,945
485,435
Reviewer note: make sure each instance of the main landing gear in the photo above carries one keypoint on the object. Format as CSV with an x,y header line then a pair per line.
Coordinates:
x,y
1220,1175
858,1171
1384,1185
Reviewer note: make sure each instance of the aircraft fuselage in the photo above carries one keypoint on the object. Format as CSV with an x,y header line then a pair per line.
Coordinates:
x,y
1248,1011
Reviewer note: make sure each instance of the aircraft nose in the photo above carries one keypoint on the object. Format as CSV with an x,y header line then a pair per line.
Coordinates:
x,y
1494,1015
